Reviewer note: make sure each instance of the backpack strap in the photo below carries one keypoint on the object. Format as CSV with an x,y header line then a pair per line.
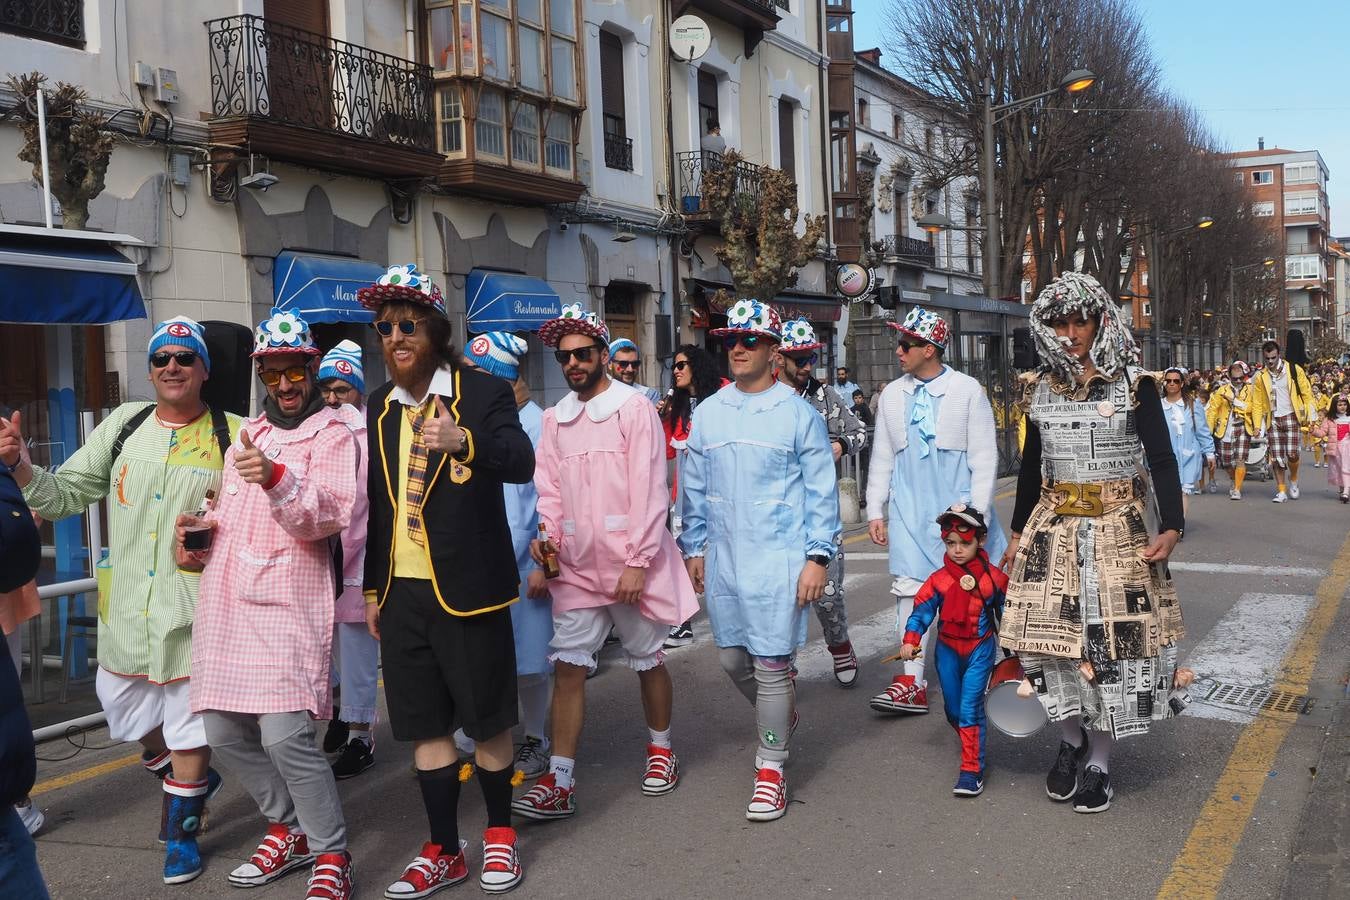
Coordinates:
x,y
128,427
220,427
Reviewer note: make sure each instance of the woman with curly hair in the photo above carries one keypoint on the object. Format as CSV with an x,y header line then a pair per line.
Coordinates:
x,y
1091,610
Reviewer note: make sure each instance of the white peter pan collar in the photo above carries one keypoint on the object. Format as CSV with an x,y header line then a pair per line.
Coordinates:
x,y
937,385
598,408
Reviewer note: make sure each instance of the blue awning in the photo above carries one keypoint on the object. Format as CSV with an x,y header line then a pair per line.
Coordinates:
x,y
47,279
323,288
499,301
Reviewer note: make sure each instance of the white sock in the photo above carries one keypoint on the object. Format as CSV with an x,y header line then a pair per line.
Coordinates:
x,y
1100,754
534,692
560,767
775,764
660,738
363,735
1071,732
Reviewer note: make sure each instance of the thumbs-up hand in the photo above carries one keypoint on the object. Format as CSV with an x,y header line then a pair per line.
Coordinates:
x,y
250,463
13,448
441,433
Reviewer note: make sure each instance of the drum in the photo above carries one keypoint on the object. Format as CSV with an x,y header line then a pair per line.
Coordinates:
x,y
1011,714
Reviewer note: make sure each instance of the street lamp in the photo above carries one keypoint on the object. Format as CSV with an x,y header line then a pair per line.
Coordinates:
x,y
1232,308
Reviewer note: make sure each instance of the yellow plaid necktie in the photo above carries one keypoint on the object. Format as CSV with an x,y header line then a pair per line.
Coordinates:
x,y
417,472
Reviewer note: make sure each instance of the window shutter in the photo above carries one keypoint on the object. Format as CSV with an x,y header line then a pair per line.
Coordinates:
x,y
787,138
611,76
307,15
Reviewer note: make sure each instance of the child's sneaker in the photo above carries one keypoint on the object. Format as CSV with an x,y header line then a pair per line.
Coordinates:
x,y
1094,794
969,784
845,664
663,771
501,862
902,695
769,801
429,872
545,801
331,877
1062,781
281,851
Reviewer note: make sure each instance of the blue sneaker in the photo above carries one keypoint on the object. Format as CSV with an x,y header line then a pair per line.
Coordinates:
x,y
969,784
182,861
213,785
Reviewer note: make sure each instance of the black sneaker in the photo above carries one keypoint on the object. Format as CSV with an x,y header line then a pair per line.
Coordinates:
x,y
1062,782
680,636
336,737
1094,794
355,758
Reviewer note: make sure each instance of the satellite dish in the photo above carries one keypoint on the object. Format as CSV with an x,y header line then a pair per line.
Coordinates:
x,y
689,38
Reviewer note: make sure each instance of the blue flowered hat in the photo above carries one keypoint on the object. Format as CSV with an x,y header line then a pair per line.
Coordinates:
x,y
799,337
283,332
344,362
402,283
574,320
752,317
924,325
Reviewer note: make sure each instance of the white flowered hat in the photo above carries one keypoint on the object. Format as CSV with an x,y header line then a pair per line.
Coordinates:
x,y
752,317
924,325
402,283
799,337
283,332
574,320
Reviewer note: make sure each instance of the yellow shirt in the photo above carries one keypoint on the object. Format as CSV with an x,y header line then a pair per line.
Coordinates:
x,y
411,559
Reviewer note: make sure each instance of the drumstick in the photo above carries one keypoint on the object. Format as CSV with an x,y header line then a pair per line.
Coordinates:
x,y
896,657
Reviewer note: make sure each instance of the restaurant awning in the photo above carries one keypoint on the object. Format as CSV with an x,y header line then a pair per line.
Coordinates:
x,y
502,301
77,278
323,288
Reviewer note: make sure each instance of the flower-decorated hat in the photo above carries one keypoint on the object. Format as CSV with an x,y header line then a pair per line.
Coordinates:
x,y
497,353
799,337
402,283
344,363
924,325
574,320
283,332
752,317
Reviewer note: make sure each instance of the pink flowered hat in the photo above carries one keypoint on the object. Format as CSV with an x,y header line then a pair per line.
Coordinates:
x,y
924,325
574,320
799,337
752,317
402,283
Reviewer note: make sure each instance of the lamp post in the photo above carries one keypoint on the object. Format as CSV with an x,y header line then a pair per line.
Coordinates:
x,y
1232,307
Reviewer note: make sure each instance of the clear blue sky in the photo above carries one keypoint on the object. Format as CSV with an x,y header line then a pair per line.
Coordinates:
x,y
1252,69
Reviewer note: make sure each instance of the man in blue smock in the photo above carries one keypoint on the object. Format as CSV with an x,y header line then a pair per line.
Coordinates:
x,y
761,516
933,446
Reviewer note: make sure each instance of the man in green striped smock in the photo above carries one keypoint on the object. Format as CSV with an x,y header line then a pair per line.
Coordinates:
x,y
152,461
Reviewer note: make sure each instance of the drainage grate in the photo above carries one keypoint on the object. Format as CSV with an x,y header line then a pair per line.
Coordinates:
x,y
1256,698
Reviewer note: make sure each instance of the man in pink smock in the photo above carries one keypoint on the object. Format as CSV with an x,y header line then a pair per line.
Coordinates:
x,y
262,640
601,475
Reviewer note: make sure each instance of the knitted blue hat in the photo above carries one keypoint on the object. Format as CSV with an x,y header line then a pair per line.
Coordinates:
x,y
344,362
180,331
497,353
622,344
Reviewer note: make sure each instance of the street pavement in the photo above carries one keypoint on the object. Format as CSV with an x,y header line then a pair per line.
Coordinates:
x,y
1223,801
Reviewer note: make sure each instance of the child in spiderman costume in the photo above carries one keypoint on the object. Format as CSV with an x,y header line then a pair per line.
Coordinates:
x,y
967,596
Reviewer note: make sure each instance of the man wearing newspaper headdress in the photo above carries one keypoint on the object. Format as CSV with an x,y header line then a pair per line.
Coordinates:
x,y
847,435
933,446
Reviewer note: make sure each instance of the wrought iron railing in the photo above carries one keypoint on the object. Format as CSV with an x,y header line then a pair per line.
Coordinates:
x,y
782,4
283,74
61,21
692,167
619,152
907,249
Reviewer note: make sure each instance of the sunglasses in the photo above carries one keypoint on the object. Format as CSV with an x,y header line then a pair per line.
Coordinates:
x,y
680,366
1171,381
184,358
294,374
905,346
407,326
583,354
626,364
748,341
801,361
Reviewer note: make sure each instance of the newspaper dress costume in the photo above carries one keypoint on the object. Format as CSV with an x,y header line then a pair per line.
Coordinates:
x,y
1079,589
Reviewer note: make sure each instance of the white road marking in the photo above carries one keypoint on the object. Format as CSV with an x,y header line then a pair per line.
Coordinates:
x,y
1179,566
1246,647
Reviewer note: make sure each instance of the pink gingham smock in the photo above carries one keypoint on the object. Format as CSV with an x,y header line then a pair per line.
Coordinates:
x,y
600,469
351,603
262,638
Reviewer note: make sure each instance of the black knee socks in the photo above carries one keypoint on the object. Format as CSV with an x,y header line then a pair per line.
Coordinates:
x,y
497,795
440,796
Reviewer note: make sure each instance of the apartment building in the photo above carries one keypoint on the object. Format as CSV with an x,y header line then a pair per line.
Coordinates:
x,y
1289,187
285,152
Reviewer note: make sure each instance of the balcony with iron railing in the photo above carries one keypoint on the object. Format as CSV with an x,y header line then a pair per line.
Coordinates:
x,y
898,248
58,21
306,98
618,152
754,17
692,167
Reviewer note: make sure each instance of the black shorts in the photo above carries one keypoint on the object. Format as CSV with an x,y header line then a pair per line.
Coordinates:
x,y
443,671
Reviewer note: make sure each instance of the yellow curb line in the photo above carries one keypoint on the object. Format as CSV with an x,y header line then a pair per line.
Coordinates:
x,y
1199,869
52,784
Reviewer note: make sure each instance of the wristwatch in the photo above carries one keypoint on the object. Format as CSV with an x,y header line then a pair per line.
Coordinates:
x,y
819,559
